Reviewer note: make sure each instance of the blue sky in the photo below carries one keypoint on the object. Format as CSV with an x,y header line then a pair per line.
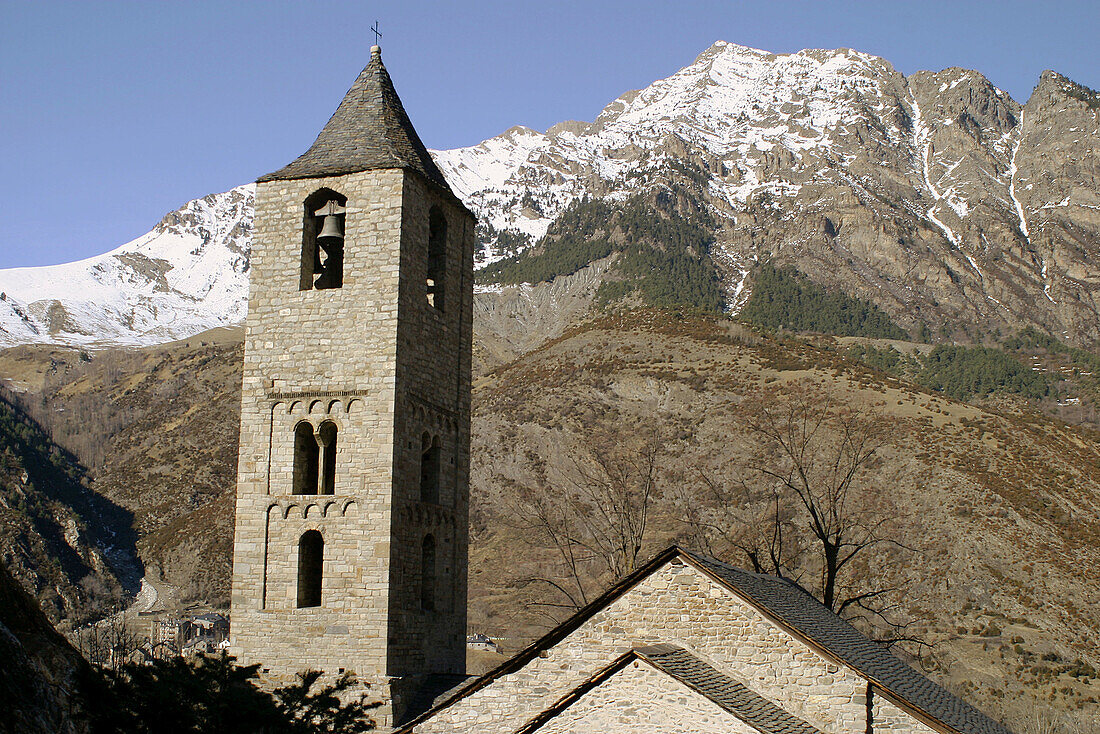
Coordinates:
x,y
114,113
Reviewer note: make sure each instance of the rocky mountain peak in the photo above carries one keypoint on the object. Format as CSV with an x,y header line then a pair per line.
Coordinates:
x,y
947,203
1055,89
926,183
573,127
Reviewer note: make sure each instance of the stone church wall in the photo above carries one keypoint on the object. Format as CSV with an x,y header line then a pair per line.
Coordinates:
x,y
889,719
377,361
642,700
433,388
679,605
318,355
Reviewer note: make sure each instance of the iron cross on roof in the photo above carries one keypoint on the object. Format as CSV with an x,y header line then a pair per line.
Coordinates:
x,y
377,33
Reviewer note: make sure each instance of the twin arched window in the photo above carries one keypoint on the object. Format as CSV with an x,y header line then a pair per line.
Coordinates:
x,y
315,458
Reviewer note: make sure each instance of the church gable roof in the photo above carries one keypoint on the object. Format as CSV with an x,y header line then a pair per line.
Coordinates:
x,y
369,130
807,618
790,609
680,665
750,707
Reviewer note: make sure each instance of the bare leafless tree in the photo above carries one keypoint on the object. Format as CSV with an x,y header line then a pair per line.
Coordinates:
x,y
546,520
1036,719
736,513
1042,721
594,511
122,637
109,641
802,504
817,452
92,645
615,483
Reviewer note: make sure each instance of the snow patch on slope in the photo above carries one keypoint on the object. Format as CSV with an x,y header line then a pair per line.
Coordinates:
x,y
1012,171
758,124
189,274
922,141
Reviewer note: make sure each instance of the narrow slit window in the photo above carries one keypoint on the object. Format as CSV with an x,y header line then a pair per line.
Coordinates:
x,y
306,458
427,574
327,437
311,552
437,257
429,469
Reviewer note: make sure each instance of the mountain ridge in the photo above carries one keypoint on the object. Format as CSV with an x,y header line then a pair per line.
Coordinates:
x,y
185,276
914,192
936,196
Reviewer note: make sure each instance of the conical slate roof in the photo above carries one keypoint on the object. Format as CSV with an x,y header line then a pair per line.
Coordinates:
x,y
368,131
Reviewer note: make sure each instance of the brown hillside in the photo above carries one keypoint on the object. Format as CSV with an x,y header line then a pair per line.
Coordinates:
x,y
998,509
158,428
1001,510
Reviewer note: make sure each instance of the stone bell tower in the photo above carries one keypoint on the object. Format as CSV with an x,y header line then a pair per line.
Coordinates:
x,y
352,489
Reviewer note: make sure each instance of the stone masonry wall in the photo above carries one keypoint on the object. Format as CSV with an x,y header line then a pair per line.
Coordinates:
x,y
679,605
642,700
337,355
889,719
433,386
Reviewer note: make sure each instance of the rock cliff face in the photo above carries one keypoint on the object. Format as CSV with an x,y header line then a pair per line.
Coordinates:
x,y
42,675
67,545
936,196
511,321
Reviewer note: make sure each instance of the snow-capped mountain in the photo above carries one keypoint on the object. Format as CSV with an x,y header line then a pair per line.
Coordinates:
x,y
187,275
732,105
936,196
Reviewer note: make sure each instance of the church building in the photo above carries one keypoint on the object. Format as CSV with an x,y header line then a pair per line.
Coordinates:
x,y
686,645
351,532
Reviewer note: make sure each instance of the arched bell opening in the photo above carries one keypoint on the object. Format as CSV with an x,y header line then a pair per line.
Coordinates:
x,y
324,214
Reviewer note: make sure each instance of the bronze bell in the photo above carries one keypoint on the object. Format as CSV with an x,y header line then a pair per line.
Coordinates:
x,y
331,230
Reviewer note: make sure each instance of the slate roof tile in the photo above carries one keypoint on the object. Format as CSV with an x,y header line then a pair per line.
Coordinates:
x,y
750,707
801,612
369,130
797,611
